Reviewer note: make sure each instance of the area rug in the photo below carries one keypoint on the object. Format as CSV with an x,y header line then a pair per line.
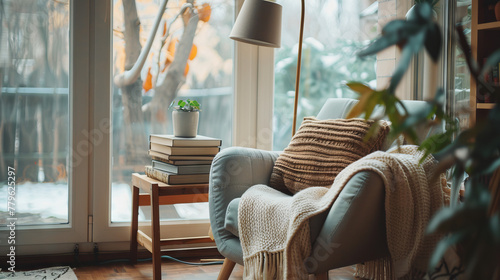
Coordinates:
x,y
51,273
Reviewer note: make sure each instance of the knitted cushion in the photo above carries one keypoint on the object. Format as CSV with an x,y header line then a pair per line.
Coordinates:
x,y
321,149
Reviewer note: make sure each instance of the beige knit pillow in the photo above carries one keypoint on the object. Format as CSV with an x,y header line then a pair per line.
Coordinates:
x,y
321,149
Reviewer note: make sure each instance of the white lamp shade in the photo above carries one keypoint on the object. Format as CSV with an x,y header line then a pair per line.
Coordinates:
x,y
258,23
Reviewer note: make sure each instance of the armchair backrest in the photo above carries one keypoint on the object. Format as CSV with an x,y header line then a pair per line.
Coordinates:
x,y
337,108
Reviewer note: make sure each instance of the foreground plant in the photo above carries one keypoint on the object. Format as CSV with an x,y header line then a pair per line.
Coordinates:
x,y
474,225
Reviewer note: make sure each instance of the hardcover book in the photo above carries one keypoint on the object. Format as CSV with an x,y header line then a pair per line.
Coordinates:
x,y
182,162
172,141
183,169
175,179
177,157
184,151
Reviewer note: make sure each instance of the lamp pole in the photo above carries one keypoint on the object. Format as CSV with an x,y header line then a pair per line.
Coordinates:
x,y
299,60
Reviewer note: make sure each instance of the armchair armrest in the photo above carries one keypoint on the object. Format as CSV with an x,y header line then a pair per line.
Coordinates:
x,y
233,171
237,166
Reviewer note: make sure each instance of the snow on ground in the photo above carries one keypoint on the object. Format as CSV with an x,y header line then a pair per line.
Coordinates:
x,y
50,200
121,206
46,199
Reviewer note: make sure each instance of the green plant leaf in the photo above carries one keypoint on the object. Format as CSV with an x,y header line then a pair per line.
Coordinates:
x,y
366,93
440,97
371,132
464,46
401,68
359,87
195,103
411,121
373,100
435,143
431,2
420,13
394,32
458,178
181,103
433,41
394,26
495,227
415,43
444,244
391,103
478,196
458,218
463,140
491,167
172,105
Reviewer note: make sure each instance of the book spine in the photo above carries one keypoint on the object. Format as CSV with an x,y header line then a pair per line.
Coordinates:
x,y
193,143
495,75
192,151
192,169
170,140
160,176
487,75
165,167
184,151
482,96
182,170
161,159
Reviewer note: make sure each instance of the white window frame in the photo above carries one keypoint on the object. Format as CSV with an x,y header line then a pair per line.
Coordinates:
x,y
77,229
102,230
252,126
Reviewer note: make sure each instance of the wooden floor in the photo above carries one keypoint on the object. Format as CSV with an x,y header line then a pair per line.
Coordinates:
x,y
175,271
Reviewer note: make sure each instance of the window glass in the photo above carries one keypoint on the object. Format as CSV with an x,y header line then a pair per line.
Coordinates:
x,y
140,107
462,75
34,111
334,31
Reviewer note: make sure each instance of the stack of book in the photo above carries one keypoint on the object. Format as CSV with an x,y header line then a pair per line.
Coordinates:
x,y
177,160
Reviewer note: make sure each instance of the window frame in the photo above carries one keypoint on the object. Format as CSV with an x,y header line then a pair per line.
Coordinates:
x,y
252,125
77,228
101,228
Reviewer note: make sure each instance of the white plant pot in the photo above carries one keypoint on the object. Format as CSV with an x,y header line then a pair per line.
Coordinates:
x,y
185,123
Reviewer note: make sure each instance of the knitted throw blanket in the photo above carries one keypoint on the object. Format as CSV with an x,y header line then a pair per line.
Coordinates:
x,y
274,228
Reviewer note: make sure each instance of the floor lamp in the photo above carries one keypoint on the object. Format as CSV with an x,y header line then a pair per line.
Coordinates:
x,y
259,23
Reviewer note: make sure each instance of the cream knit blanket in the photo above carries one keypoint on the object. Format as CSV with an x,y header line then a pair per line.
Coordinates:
x,y
274,228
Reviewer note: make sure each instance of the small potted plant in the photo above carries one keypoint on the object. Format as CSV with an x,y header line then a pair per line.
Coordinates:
x,y
185,118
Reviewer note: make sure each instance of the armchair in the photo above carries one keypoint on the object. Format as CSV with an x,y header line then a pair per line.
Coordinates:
x,y
337,236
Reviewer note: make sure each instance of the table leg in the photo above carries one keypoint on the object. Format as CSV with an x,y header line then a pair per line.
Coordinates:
x,y
134,226
155,222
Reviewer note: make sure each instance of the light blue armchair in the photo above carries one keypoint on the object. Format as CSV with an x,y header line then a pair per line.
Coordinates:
x,y
349,233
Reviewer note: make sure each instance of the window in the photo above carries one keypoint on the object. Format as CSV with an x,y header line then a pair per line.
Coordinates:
x,y
42,130
460,98
34,104
141,108
334,31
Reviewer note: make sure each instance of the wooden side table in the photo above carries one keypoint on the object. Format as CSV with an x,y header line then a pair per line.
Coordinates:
x,y
155,194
